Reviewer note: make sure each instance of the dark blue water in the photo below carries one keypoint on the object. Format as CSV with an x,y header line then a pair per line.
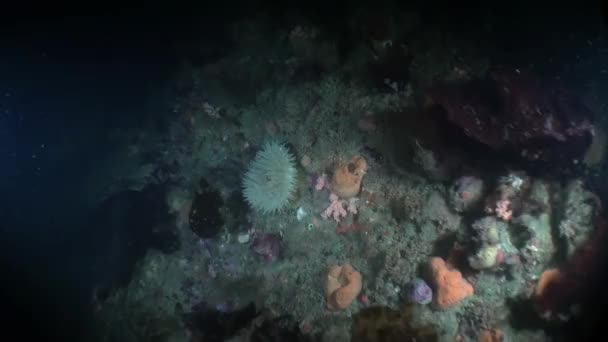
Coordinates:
x,y
67,83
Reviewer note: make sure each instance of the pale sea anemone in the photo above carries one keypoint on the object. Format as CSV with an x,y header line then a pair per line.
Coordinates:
x,y
270,180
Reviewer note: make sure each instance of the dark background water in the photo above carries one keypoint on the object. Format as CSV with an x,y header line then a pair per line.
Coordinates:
x,y
67,81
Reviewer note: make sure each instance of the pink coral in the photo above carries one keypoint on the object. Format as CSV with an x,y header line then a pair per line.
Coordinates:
x,y
503,210
335,210
352,206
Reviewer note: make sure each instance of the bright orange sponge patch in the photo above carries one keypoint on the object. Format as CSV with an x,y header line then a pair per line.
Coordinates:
x,y
342,287
346,182
450,286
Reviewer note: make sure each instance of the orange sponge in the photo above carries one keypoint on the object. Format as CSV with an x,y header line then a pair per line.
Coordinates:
x,y
552,291
343,286
346,181
547,279
450,286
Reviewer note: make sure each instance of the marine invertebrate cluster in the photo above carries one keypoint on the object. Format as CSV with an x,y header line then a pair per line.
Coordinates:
x,y
450,286
270,180
343,286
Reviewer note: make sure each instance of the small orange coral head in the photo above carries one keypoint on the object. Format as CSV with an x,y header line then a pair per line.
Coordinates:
x,y
450,287
342,287
346,182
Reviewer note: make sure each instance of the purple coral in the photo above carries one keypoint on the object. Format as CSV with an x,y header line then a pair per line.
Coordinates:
x,y
419,292
267,245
